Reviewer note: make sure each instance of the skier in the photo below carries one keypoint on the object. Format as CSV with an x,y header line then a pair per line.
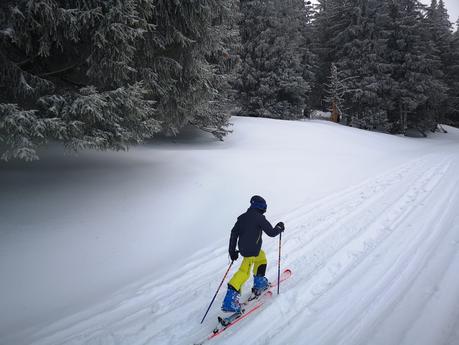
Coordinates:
x,y
248,229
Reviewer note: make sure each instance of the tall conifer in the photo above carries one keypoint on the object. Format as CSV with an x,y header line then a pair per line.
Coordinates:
x,y
104,74
453,81
418,88
272,74
442,37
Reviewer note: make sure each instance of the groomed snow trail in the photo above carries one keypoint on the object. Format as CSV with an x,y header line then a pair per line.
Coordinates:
x,y
374,264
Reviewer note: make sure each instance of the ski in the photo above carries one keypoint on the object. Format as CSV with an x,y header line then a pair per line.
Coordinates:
x,y
247,308
225,321
251,305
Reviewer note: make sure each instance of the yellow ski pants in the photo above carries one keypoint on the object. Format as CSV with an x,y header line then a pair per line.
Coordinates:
x,y
243,274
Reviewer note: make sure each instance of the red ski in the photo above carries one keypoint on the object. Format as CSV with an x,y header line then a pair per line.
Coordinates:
x,y
250,307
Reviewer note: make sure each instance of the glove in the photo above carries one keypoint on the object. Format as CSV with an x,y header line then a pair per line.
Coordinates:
x,y
234,255
280,226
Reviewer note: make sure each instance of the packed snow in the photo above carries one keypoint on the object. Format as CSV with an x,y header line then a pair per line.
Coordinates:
x,y
129,248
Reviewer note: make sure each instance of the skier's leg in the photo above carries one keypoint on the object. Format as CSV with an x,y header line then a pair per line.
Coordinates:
x,y
231,300
260,283
241,276
260,262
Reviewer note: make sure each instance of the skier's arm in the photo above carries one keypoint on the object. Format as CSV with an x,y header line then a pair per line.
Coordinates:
x,y
233,239
269,230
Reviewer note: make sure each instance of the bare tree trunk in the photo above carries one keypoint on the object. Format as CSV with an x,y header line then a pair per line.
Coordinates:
x,y
335,113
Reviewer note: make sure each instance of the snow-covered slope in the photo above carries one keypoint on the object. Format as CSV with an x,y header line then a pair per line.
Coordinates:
x,y
128,248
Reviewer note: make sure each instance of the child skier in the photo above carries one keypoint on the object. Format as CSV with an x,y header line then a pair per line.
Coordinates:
x,y
248,229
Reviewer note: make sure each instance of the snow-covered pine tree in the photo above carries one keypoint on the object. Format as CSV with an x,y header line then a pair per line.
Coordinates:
x,y
103,74
177,53
416,68
62,66
442,37
453,81
353,34
359,55
440,27
225,59
272,75
322,19
310,60
335,91
331,18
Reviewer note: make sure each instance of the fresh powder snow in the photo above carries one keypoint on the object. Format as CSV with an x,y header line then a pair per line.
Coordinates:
x,y
129,248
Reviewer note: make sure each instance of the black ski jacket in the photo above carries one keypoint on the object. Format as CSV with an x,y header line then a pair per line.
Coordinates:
x,y
248,229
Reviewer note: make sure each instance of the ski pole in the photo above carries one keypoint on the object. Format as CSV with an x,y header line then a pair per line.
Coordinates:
x,y
213,299
278,263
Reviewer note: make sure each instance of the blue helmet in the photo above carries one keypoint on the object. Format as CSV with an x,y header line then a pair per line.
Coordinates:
x,y
258,202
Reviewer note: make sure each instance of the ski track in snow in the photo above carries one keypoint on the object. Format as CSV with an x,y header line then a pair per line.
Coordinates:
x,y
345,288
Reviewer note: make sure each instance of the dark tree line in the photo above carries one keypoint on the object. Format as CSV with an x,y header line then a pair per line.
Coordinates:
x,y
106,74
394,62
275,75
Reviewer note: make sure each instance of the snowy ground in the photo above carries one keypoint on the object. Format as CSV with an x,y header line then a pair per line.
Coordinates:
x,y
128,248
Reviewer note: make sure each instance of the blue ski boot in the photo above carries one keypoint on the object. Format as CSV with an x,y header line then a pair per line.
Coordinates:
x,y
231,302
260,284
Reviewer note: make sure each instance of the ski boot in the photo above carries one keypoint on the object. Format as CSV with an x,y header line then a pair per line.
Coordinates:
x,y
260,284
231,302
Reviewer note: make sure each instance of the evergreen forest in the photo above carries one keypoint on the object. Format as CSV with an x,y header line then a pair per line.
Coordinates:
x,y
107,74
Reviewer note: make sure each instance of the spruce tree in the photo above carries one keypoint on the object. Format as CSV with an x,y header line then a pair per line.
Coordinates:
x,y
186,33
353,35
225,59
418,89
327,25
272,74
452,114
61,68
309,59
104,74
360,58
442,37
335,91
